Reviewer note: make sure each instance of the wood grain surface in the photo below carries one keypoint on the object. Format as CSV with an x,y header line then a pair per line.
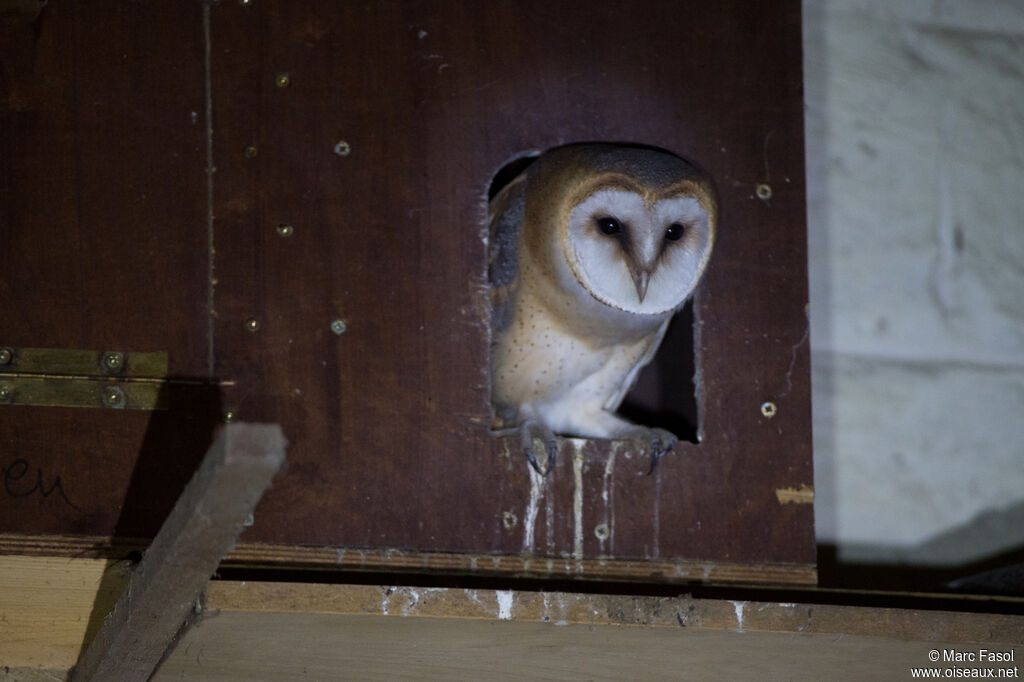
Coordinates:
x,y
55,605
111,221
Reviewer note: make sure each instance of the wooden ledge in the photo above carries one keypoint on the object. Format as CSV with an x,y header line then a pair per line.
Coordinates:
x,y
52,606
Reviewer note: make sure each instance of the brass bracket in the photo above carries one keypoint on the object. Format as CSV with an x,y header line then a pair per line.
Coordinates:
x,y
58,377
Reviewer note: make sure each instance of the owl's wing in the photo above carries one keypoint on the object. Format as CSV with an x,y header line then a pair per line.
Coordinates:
x,y
505,218
615,399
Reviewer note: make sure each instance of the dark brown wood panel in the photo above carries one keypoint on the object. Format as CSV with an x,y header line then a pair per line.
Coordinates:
x,y
388,421
103,219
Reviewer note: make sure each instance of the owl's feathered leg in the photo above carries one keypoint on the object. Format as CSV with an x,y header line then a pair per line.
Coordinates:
x,y
656,442
537,438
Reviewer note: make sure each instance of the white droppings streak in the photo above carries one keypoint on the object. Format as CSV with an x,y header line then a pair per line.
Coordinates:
x,y
536,490
563,610
504,604
475,598
739,605
411,604
577,499
656,524
549,523
608,497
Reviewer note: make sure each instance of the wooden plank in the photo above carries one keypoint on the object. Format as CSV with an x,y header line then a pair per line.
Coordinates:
x,y
48,611
389,238
265,555
431,99
104,214
47,605
608,609
251,646
201,529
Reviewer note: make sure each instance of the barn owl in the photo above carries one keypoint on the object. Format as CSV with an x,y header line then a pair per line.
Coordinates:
x,y
593,248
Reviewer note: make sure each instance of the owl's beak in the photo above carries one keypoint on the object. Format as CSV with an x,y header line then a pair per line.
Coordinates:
x,y
641,278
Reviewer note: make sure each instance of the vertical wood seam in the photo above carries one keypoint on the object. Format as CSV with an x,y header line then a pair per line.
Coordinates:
x,y
208,91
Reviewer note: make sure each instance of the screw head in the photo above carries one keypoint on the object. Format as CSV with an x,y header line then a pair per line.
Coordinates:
x,y
252,324
764,192
6,355
113,362
601,531
283,80
251,151
114,397
285,230
769,409
229,417
6,393
339,327
342,148
509,520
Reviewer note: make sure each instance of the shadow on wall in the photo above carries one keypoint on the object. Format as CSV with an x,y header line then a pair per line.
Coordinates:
x,y
176,441
937,565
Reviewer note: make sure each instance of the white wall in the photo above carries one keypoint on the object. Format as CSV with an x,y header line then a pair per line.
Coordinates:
x,y
915,168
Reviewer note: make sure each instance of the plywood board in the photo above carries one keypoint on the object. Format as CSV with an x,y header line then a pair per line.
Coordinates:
x,y
54,606
389,421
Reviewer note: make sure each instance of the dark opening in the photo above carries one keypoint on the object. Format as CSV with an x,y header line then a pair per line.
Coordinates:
x,y
665,395
508,173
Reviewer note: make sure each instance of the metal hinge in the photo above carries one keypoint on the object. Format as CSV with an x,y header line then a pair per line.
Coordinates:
x,y
83,378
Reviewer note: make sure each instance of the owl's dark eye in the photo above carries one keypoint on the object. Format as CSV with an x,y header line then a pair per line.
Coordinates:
x,y
609,226
674,232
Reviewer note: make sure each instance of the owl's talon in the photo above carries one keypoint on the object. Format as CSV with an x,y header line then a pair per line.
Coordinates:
x,y
656,442
537,436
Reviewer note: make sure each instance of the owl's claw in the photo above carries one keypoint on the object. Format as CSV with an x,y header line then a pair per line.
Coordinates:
x,y
536,437
656,442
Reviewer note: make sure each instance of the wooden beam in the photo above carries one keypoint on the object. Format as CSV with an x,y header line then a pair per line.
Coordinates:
x,y
200,530
265,630
223,596
46,605
259,647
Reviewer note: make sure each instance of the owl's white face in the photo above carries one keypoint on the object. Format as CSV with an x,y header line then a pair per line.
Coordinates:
x,y
641,255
